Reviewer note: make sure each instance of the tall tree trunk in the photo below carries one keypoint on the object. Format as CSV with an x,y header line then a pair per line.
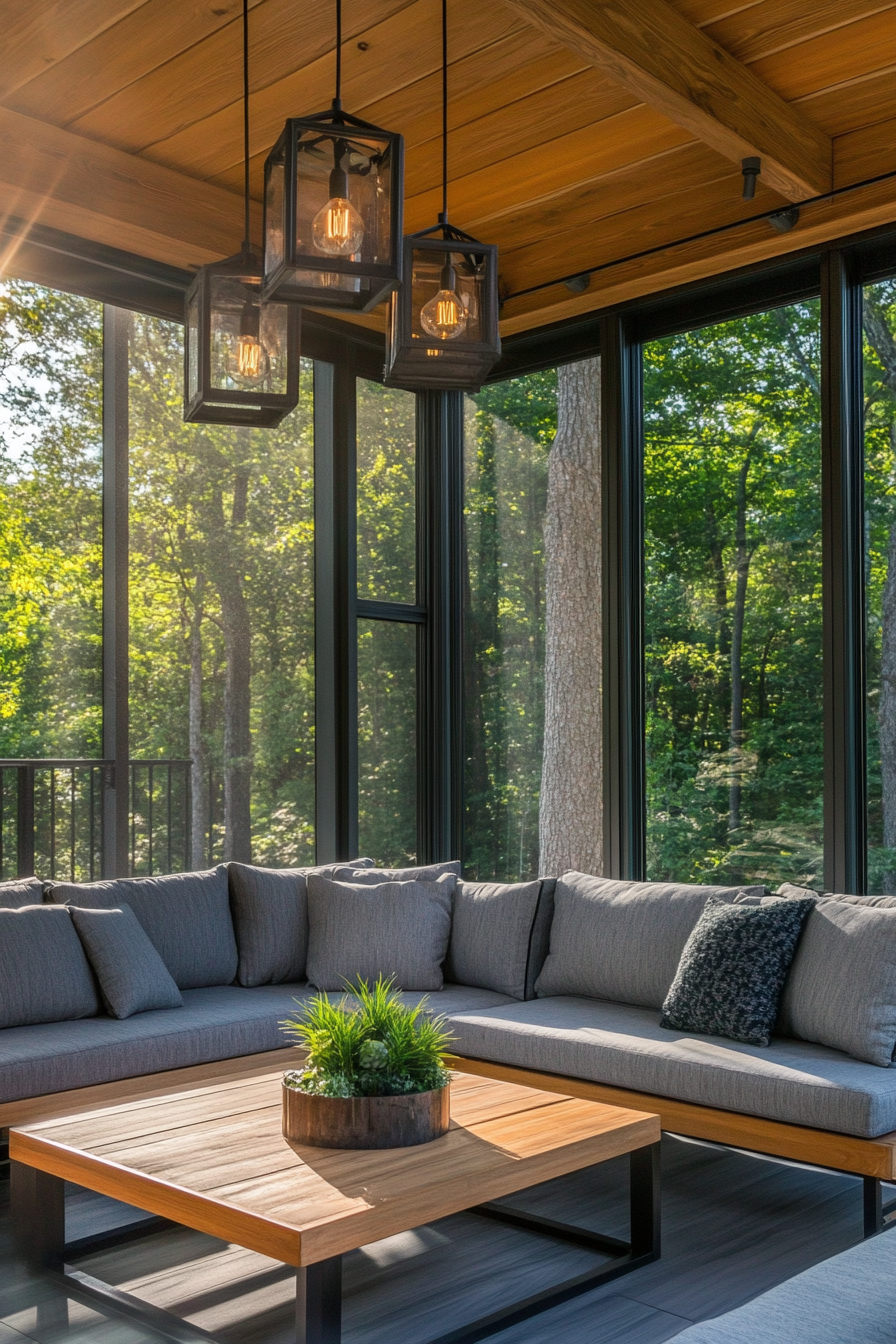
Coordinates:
x,y
198,781
886,710
571,821
742,574
229,571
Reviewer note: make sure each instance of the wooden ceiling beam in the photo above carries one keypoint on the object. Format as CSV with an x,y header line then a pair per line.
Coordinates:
x,y
867,207
675,68
50,176
36,36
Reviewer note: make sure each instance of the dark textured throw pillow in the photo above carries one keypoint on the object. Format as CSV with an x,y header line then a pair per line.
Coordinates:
x,y
23,891
185,915
132,976
397,929
44,974
732,970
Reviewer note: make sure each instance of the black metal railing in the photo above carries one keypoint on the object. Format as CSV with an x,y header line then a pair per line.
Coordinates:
x,y
52,817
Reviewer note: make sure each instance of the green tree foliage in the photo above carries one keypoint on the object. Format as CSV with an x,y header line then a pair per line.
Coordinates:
x,y
50,523
733,600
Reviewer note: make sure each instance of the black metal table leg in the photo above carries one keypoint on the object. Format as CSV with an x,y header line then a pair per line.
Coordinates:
x,y
644,1201
319,1302
37,1206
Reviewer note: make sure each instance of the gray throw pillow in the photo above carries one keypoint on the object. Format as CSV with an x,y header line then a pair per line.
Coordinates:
x,y
44,974
23,891
732,970
622,941
397,929
877,902
841,990
794,893
492,924
132,976
270,917
186,917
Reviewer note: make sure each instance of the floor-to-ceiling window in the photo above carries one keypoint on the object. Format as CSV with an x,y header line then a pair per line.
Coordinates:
x,y
879,325
221,625
732,600
533,624
387,635
51,511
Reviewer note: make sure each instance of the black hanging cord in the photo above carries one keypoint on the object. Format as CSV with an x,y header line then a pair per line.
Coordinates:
x,y
443,217
337,101
247,244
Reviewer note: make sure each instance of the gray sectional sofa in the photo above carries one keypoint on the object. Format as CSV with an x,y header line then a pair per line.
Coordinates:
x,y
562,978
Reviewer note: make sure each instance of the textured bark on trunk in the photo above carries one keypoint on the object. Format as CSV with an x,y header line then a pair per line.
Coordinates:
x,y
571,819
886,711
198,780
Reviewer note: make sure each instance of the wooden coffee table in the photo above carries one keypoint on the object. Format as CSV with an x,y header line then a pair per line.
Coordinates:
x,y
214,1159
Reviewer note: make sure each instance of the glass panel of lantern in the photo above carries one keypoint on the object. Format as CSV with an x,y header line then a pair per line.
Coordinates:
x,y
333,213
443,329
241,355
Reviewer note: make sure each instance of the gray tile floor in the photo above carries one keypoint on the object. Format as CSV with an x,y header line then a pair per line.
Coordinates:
x,y
733,1226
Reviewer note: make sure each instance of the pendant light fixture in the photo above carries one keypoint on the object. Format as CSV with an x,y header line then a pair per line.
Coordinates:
x,y
443,323
333,199
241,355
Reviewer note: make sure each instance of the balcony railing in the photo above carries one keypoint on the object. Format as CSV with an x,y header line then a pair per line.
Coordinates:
x,y
51,817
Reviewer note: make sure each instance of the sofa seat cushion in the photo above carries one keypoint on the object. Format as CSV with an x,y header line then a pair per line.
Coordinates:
x,y
217,1023
849,1299
624,1046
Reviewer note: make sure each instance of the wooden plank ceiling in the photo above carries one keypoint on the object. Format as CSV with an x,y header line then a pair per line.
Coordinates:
x,y
583,132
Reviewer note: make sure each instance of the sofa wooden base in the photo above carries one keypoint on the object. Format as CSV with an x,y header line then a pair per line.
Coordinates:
x,y
817,1147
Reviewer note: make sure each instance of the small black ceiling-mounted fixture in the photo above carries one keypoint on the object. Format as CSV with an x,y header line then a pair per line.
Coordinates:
x,y
782,221
443,322
241,355
577,284
751,169
333,200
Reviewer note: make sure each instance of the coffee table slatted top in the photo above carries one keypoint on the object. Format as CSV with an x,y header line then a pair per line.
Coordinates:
x,y
215,1159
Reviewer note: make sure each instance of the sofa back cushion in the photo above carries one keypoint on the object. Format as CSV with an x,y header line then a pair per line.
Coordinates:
x,y
622,941
492,925
186,917
392,929
841,990
44,974
23,891
132,976
270,918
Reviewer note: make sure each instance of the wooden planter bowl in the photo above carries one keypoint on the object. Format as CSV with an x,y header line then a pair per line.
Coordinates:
x,y
365,1122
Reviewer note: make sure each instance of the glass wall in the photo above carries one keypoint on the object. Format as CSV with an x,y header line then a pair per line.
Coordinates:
x,y
880,579
733,611
51,578
387,648
221,625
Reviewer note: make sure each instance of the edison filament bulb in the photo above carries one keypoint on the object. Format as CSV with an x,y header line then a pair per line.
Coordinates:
x,y
444,316
338,229
249,361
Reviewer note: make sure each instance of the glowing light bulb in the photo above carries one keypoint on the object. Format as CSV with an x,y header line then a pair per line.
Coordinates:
x,y
444,317
338,229
248,360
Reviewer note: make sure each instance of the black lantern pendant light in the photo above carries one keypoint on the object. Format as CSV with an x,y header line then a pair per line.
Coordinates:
x,y
333,199
241,355
443,323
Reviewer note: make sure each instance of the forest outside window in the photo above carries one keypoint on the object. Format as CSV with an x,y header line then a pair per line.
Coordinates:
x,y
733,610
533,644
879,323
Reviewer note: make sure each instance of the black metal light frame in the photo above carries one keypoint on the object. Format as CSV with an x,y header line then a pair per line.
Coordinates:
x,y
290,271
415,360
207,402
228,293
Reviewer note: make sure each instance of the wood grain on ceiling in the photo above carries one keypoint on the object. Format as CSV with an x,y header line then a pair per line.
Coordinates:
x,y
583,132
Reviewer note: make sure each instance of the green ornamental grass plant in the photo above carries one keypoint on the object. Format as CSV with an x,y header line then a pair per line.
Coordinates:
x,y
368,1044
